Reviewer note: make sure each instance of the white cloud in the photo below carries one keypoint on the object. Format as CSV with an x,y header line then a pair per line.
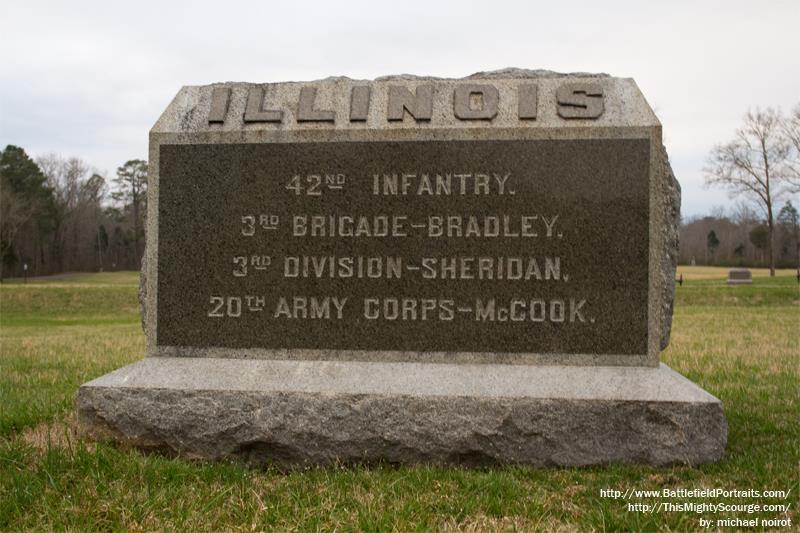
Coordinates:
x,y
90,78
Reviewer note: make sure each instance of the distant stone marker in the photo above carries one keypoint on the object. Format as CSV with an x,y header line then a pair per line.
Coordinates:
x,y
740,276
314,248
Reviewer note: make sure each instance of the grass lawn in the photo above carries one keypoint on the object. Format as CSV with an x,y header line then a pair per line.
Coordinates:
x,y
739,343
720,274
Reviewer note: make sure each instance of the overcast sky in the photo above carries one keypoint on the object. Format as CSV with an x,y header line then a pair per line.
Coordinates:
x,y
89,79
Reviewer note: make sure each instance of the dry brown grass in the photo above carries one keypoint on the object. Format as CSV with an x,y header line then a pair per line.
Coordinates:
x,y
61,434
693,273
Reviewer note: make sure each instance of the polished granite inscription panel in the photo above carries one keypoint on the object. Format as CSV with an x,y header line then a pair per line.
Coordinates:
x,y
523,246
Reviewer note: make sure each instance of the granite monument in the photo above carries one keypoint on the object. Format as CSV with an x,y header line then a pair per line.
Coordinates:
x,y
410,269
740,276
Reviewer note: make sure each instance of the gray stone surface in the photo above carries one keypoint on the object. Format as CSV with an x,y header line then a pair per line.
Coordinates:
x,y
217,385
740,276
670,226
626,115
319,412
580,310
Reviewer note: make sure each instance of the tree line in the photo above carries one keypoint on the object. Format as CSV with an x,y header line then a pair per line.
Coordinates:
x,y
58,215
740,237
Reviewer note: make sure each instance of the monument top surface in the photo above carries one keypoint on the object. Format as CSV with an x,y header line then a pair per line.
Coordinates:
x,y
510,98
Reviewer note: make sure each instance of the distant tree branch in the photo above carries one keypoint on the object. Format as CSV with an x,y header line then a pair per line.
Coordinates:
x,y
791,131
755,163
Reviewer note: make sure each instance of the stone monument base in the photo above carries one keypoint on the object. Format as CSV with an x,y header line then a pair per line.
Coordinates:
x,y
313,412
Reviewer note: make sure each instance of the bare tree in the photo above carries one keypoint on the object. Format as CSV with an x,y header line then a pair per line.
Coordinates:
x,y
66,177
791,131
92,193
744,214
131,192
15,212
754,165
718,211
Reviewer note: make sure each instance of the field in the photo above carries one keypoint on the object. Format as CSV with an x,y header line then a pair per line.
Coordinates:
x,y
739,343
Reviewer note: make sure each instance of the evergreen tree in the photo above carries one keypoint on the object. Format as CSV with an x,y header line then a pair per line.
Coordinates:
x,y
131,184
27,211
789,220
712,244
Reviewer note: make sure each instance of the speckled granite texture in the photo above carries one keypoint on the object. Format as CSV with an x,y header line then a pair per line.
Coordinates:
x,y
187,331
301,412
586,390
584,189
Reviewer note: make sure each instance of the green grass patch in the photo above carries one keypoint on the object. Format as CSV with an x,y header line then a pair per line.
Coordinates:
x,y
53,305
41,367
56,335
766,292
739,343
73,279
694,273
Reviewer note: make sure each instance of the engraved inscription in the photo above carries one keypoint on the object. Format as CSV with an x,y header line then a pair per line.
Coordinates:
x,y
306,111
470,102
580,100
316,184
475,102
418,104
359,103
496,246
220,97
527,101
255,112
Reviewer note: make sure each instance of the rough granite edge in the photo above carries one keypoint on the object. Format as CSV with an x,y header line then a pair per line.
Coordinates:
x,y
300,428
671,229
503,73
